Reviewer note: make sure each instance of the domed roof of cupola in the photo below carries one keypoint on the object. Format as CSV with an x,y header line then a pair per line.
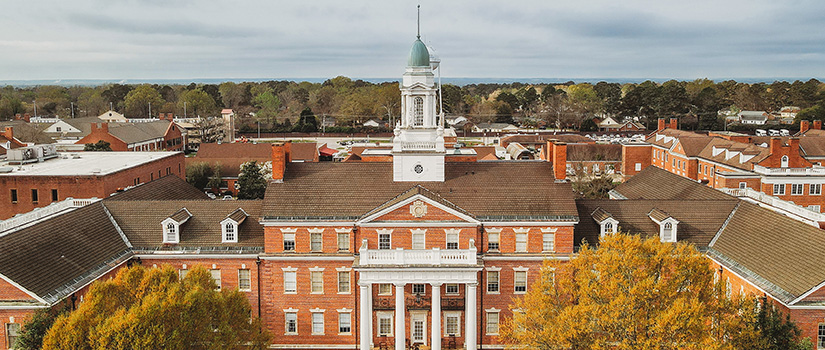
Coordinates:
x,y
419,55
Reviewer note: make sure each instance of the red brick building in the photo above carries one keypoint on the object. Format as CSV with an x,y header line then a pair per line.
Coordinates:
x,y
47,177
229,157
149,136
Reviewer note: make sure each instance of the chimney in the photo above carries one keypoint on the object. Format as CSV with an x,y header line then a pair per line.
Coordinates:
x,y
661,124
288,151
278,161
27,117
804,126
9,133
776,145
548,148
560,160
674,123
793,152
818,124
104,127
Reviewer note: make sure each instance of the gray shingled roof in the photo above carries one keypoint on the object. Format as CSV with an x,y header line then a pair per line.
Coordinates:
x,y
655,183
488,190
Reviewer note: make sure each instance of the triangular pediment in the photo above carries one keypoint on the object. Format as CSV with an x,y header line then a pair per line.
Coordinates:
x,y
417,205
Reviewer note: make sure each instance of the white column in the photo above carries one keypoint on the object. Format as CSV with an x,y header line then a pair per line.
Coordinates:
x,y
400,325
366,316
470,325
436,317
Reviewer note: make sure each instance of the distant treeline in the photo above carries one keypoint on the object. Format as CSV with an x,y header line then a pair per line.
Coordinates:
x,y
277,105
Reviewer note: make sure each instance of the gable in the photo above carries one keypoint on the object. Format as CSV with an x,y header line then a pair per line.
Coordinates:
x,y
417,208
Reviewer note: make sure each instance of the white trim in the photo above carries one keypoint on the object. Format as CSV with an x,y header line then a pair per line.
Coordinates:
x,y
177,255
315,230
747,281
313,258
549,230
343,230
343,269
288,230
316,269
265,222
418,224
521,268
223,230
317,310
344,310
289,269
521,230
414,198
492,268
526,258
806,294
290,310
24,290
493,229
530,223
24,307
492,310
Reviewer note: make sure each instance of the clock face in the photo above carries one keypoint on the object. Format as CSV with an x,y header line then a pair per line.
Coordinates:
x,y
418,169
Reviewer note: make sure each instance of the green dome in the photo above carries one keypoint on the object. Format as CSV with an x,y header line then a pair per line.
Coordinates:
x,y
419,55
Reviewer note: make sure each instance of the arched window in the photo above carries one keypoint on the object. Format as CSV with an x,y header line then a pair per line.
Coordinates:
x,y
784,162
667,232
608,227
229,232
418,111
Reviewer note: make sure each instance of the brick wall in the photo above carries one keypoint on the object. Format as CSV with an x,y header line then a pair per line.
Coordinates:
x,y
100,132
635,154
11,293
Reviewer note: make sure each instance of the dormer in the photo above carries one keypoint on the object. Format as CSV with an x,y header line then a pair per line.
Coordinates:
x,y
171,225
659,137
607,223
229,226
730,154
717,150
745,157
667,224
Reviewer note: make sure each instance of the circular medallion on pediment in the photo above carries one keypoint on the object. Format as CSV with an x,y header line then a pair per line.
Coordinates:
x,y
418,209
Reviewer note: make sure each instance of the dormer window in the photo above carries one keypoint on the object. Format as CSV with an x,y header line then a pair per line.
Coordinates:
x,y
667,225
230,232
171,225
608,227
229,226
607,223
784,162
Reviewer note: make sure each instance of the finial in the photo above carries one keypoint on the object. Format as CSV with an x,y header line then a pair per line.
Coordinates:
x,y
418,30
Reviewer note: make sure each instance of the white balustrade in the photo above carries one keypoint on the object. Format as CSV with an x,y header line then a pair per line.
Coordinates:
x,y
21,220
418,145
815,170
418,256
775,202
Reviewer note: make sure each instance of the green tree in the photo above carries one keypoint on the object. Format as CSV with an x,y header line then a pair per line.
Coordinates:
x,y
776,331
9,106
630,293
115,94
611,95
138,100
197,102
99,146
253,180
306,122
199,175
92,103
33,331
153,308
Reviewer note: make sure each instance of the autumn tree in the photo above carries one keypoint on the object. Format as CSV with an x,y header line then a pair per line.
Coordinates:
x,y
630,293
153,308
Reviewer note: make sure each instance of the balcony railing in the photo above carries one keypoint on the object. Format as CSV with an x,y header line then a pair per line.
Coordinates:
x,y
812,216
21,220
417,145
815,170
415,303
403,257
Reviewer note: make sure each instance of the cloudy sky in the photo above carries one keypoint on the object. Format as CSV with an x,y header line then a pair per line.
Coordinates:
x,y
188,39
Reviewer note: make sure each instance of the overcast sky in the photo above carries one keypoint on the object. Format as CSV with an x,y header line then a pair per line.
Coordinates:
x,y
187,39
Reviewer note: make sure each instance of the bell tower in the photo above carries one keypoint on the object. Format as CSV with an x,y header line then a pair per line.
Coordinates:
x,y
418,146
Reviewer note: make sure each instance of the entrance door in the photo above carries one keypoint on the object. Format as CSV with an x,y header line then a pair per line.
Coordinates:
x,y
418,327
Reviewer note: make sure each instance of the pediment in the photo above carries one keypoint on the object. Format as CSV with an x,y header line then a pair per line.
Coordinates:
x,y
417,205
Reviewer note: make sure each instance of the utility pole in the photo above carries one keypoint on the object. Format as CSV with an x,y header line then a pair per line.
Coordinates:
x,y
150,110
72,109
35,108
184,109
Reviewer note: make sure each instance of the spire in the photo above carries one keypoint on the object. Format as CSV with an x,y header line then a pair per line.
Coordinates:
x,y
418,22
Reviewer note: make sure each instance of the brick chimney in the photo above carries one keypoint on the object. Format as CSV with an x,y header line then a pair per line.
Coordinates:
x,y
776,145
27,117
8,132
278,161
560,160
804,126
674,123
662,125
793,152
818,124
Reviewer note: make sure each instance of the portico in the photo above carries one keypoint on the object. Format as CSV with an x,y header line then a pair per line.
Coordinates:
x,y
462,269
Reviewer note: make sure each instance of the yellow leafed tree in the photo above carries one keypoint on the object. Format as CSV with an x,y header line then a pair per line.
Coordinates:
x,y
630,293
153,308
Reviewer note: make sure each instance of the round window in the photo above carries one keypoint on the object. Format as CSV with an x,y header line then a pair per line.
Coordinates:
x,y
418,169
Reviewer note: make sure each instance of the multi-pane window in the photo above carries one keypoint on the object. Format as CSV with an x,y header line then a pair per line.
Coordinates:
x,y
384,289
244,280
667,232
291,319
418,240
418,111
548,242
289,242
229,233
451,288
778,189
743,185
12,334
343,281
815,189
492,282
451,323
796,189
316,281
520,281
317,323
820,338
344,322
290,282
343,241
216,276
492,323
171,235
385,324
384,241
521,242
418,288
492,241
315,242
452,240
